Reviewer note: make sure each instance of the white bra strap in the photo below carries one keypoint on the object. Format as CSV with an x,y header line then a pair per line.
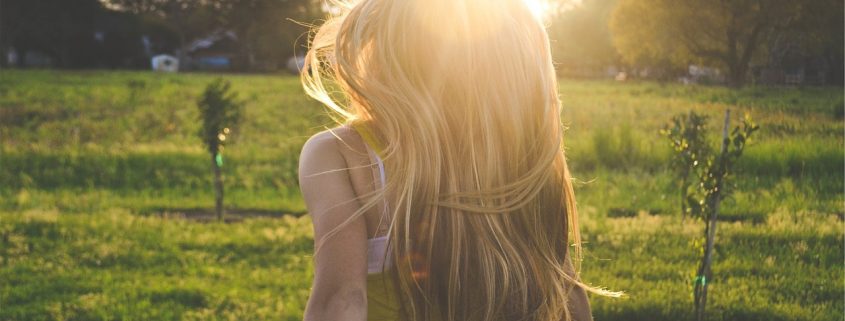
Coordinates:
x,y
380,164
382,176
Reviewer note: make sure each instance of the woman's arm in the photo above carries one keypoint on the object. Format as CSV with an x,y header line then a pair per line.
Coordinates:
x,y
579,304
339,291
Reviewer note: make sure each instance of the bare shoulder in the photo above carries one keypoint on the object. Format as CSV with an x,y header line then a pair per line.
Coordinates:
x,y
330,146
325,141
324,178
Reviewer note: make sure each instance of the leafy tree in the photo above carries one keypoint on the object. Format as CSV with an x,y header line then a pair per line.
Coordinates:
x,y
727,33
188,19
220,111
64,30
269,29
266,29
693,156
580,36
688,136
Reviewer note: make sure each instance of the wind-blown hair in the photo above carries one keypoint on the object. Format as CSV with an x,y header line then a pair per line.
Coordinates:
x,y
462,97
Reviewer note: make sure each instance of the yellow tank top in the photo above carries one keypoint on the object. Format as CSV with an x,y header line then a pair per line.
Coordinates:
x,y
381,296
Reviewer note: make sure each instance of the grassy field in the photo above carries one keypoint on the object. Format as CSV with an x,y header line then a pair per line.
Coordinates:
x,y
95,168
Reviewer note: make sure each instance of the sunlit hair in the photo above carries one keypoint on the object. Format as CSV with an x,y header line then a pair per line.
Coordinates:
x,y
462,97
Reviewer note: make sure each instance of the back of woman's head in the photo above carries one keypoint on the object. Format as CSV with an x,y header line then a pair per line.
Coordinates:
x,y
461,95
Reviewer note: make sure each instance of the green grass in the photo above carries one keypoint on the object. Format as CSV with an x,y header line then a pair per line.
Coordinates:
x,y
90,160
786,268
115,265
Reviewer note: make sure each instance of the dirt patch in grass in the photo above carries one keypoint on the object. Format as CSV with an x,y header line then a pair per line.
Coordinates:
x,y
232,215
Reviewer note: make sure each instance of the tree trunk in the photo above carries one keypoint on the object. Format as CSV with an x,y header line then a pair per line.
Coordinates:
x,y
181,54
218,189
742,62
250,57
4,54
736,77
683,191
704,274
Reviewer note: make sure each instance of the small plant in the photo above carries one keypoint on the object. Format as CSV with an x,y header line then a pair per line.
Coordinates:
x,y
220,111
689,142
693,156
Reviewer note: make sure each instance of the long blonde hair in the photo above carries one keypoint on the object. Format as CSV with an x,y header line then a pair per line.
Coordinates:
x,y
462,96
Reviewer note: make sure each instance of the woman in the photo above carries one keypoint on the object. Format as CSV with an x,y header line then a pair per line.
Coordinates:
x,y
445,194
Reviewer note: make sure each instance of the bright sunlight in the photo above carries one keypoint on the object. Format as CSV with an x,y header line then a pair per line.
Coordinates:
x,y
540,8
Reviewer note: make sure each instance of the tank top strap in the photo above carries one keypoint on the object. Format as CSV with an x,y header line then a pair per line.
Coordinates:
x,y
370,139
374,147
380,164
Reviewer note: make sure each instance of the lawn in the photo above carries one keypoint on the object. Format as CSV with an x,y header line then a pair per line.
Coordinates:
x,y
97,167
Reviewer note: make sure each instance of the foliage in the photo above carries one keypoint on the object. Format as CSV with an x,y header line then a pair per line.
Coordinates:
x,y
703,202
725,34
580,38
265,36
48,26
694,156
220,111
266,30
689,143
63,30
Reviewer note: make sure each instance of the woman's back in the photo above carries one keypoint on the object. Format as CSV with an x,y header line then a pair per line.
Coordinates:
x,y
366,174
455,155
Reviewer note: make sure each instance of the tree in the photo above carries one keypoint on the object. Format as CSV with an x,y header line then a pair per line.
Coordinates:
x,y
711,172
580,36
188,19
220,111
729,34
688,134
64,30
269,29
266,30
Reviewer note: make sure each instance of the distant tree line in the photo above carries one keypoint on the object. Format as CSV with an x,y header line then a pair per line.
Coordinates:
x,y
746,40
62,30
125,33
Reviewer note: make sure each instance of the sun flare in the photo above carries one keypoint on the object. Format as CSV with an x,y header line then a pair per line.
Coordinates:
x,y
540,8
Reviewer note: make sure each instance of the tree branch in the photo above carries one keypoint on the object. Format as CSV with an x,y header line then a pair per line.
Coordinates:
x,y
699,50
